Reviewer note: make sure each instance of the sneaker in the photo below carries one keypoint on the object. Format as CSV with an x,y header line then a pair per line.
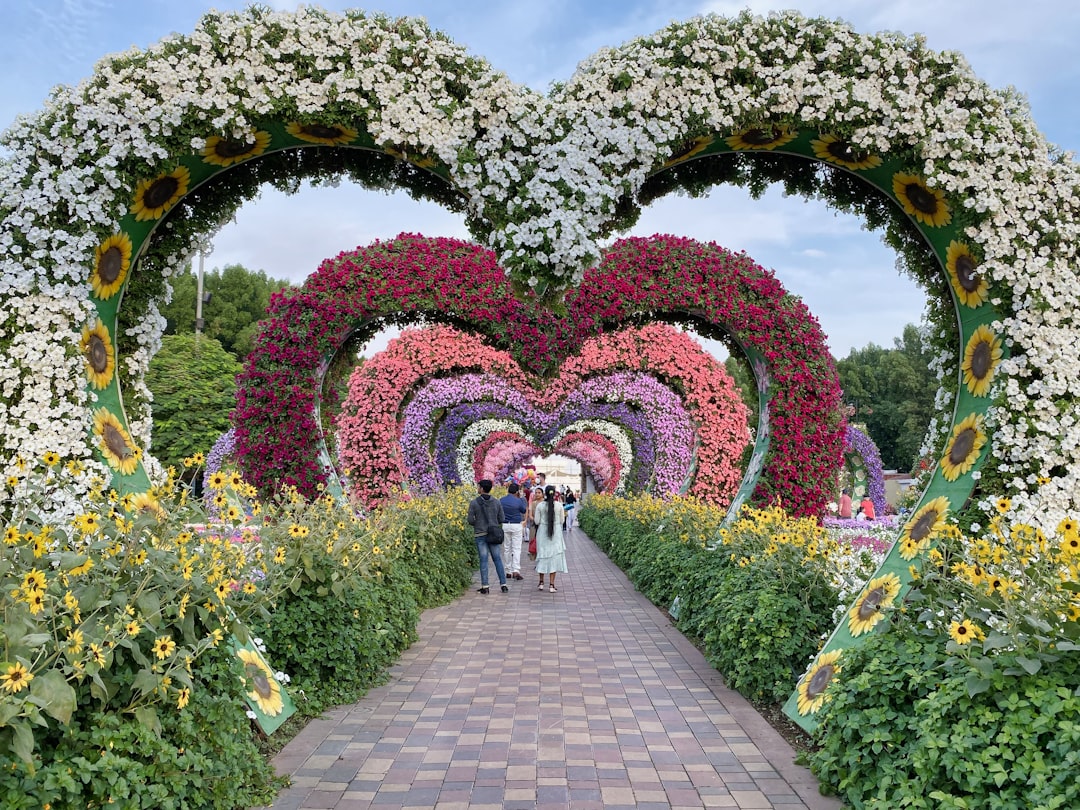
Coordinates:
x,y
505,589
484,590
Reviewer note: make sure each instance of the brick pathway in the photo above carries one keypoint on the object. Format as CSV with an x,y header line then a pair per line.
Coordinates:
x,y
609,707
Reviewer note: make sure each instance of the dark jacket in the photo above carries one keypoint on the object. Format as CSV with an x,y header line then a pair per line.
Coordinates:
x,y
484,511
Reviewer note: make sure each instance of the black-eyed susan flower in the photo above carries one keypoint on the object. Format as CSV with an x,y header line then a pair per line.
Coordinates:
x,y
835,150
50,458
691,149
967,440
34,579
97,655
869,608
761,138
112,259
918,200
15,678
967,282
217,480
182,697
115,443
164,646
982,355
97,347
133,628
923,525
965,632
326,134
263,688
156,195
1003,505
227,151
144,503
812,687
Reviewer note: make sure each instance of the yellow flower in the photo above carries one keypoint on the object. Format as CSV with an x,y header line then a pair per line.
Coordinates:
x,y
15,678
279,555
132,628
75,642
981,359
964,446
216,481
155,196
227,151
767,138
221,590
50,458
97,347
11,535
112,259
34,580
97,655
328,135
965,632
812,687
249,587
923,525
264,690
182,698
36,601
969,285
164,647
695,147
918,200
833,149
869,608
296,530
115,443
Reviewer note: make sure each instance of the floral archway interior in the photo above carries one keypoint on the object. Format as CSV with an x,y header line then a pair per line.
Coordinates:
x,y
118,180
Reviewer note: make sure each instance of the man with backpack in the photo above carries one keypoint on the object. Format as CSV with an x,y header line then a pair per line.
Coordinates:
x,y
486,518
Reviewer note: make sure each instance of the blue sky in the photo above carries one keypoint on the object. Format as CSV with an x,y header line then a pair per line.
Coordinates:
x,y
845,275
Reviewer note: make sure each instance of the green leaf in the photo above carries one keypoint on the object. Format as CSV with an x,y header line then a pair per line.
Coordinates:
x,y
996,641
148,717
55,694
976,685
23,741
145,682
1030,665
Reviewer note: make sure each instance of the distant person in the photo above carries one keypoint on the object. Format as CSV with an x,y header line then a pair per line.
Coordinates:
x,y
845,504
867,507
514,509
486,511
530,520
569,503
550,544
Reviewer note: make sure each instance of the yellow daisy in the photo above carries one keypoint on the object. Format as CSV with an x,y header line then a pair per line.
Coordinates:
x,y
164,647
155,196
182,697
812,686
112,258
328,135
918,200
115,443
967,440
761,138
227,151
968,284
833,149
981,358
264,691
965,632
869,608
15,678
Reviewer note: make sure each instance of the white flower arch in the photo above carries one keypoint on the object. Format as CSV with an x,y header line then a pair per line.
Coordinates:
x,y
104,193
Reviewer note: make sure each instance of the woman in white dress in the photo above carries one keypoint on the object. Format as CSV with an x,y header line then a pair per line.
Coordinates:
x,y
550,545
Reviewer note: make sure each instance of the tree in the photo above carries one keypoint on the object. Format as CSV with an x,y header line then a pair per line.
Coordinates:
x,y
193,380
238,301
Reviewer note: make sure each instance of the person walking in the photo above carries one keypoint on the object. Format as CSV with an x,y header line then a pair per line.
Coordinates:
x,y
550,544
845,505
486,511
569,504
514,508
530,520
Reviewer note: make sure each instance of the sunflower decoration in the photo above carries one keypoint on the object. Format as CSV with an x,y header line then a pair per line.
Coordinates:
x,y
981,358
761,138
869,609
967,440
419,162
97,347
923,526
264,691
112,258
157,195
967,282
918,200
325,134
835,150
692,149
116,445
225,152
812,686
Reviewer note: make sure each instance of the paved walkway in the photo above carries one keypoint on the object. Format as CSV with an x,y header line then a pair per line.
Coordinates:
x,y
585,698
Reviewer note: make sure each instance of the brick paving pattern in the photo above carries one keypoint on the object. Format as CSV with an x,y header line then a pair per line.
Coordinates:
x,y
586,698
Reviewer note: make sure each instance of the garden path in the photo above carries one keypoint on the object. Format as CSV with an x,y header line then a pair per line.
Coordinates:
x,y
586,698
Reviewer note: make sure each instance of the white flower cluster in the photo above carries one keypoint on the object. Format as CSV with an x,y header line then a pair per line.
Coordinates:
x,y
544,177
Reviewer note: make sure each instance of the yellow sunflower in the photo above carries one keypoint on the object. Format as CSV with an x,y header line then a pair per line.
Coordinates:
x,y
869,608
757,138
15,678
964,446
839,152
981,358
969,285
164,646
116,445
812,687
923,525
419,162
227,151
96,347
147,504
965,632
216,481
50,458
926,204
265,690
112,258
695,147
328,135
154,197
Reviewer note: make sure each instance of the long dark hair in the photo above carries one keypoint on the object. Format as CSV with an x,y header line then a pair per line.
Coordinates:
x,y
549,499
